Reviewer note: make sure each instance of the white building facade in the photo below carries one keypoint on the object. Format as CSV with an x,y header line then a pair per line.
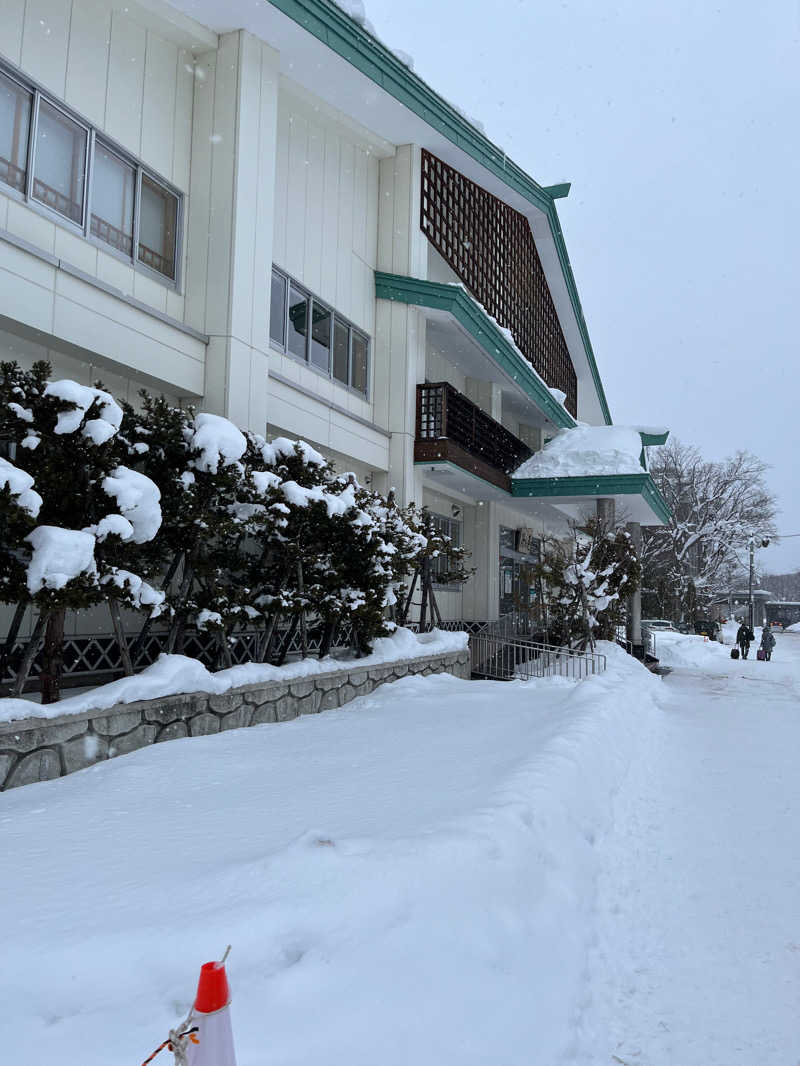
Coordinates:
x,y
282,224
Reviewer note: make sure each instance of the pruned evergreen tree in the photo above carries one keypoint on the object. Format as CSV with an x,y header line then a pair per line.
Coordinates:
x,y
95,514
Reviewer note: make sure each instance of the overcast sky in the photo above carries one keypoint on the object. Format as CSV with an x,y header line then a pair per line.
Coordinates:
x,y
678,124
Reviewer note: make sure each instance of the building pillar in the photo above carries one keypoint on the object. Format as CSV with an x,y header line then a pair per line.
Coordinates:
x,y
399,363
230,224
606,513
635,601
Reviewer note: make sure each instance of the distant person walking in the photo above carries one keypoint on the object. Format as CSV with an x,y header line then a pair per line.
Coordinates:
x,y
744,637
767,642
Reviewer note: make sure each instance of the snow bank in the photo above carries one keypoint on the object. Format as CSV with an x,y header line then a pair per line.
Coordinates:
x,y
409,880
172,675
586,450
687,650
793,628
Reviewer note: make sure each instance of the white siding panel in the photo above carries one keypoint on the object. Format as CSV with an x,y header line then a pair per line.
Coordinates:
x,y
344,265
244,243
12,17
296,199
87,62
197,230
330,217
222,168
182,122
126,82
44,42
281,189
315,172
158,109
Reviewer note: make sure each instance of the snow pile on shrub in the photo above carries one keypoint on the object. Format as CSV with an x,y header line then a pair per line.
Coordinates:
x,y
410,879
19,484
59,556
172,675
584,451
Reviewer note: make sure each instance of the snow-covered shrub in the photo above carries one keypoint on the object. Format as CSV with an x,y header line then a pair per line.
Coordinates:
x,y
587,580
89,513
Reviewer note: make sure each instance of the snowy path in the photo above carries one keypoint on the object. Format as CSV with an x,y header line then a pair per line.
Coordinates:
x,y
697,961
445,873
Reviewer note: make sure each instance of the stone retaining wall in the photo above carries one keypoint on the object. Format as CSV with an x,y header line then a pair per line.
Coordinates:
x,y
38,749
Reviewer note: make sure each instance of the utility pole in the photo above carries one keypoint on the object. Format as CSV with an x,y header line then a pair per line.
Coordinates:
x,y
763,543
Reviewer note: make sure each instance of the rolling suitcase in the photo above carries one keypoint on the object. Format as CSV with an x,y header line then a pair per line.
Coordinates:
x,y
734,653
761,655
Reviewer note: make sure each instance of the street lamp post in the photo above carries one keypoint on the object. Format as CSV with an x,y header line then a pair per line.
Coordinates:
x,y
764,542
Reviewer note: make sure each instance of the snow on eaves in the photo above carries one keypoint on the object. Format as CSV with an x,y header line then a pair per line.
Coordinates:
x,y
586,451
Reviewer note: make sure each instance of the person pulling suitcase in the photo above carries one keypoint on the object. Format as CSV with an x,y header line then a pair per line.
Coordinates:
x,y
744,637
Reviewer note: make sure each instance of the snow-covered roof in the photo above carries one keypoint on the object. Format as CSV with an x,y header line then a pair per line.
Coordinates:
x,y
586,451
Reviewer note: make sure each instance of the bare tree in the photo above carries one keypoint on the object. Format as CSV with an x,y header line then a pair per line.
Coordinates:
x,y
716,508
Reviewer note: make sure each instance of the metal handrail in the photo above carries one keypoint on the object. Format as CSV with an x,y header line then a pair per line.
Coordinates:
x,y
501,659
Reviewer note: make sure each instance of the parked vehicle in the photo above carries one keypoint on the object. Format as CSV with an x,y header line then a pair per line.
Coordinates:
x,y
659,623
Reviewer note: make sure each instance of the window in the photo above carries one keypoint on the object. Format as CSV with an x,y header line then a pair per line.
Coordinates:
x,y
91,185
158,223
15,124
113,182
305,327
59,168
277,309
450,527
298,321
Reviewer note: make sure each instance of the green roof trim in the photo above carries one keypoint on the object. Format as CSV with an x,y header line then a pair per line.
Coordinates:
x,y
653,440
599,485
558,192
455,300
329,24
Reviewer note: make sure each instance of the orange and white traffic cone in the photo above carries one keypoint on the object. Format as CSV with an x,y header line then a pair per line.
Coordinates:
x,y
211,1015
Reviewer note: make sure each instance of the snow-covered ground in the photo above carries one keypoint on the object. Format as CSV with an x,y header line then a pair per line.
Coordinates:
x,y
444,872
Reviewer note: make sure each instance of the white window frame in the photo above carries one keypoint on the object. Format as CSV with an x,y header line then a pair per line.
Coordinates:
x,y
352,328
92,137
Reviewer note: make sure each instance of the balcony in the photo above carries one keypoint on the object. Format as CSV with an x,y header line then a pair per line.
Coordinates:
x,y
451,428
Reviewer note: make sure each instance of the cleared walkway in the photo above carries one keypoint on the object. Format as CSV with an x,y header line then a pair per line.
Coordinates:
x,y
697,959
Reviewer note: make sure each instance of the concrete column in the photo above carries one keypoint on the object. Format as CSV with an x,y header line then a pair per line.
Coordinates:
x,y
230,225
635,601
606,513
400,329
482,591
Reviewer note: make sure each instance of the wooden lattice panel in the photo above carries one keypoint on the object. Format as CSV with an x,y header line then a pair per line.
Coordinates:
x,y
490,247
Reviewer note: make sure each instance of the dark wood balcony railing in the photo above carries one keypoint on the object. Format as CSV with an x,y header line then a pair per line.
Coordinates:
x,y
450,427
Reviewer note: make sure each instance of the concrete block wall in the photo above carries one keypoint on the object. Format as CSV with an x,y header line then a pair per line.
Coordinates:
x,y
39,749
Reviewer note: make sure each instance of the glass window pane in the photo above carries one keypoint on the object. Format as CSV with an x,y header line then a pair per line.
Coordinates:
x,y
341,343
298,321
15,122
112,199
277,309
59,171
359,362
320,337
158,223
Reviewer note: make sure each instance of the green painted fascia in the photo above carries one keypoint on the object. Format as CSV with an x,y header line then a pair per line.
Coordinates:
x,y
457,301
329,24
600,485
653,440
558,192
